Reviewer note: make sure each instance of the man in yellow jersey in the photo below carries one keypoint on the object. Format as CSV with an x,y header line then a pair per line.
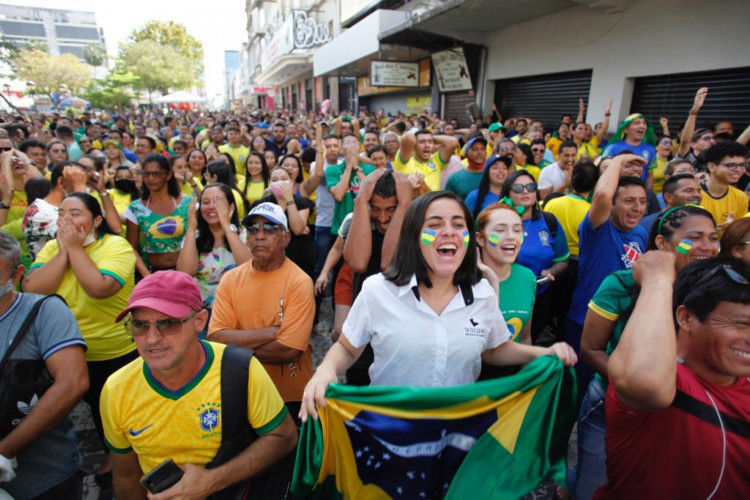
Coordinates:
x,y
422,152
168,403
235,149
726,162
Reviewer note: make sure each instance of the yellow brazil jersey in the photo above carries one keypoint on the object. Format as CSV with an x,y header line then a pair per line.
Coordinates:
x,y
140,414
12,226
431,169
239,203
570,210
532,169
659,174
255,191
238,154
734,201
587,150
121,201
114,257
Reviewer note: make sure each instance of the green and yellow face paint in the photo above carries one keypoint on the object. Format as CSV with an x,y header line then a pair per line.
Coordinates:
x,y
493,239
428,237
467,238
684,246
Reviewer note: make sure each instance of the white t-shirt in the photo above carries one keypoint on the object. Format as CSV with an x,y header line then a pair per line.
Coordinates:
x,y
552,176
413,345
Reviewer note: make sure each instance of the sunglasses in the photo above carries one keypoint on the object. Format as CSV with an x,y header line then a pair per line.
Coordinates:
x,y
520,188
730,272
3,150
254,227
169,326
53,150
153,173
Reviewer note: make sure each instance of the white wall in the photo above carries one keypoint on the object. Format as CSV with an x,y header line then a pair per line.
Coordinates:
x,y
652,37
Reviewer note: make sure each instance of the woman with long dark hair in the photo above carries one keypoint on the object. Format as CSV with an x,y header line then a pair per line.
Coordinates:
x,y
256,177
156,223
93,270
213,243
223,172
495,172
424,292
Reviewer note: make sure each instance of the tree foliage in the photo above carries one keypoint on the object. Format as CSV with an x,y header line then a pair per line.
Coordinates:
x,y
94,54
174,35
111,92
8,53
158,67
49,72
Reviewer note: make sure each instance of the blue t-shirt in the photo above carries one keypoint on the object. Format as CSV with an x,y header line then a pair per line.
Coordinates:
x,y
52,457
648,221
539,249
603,251
489,199
644,150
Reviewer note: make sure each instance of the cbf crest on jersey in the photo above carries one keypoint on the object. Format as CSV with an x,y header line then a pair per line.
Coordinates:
x,y
208,416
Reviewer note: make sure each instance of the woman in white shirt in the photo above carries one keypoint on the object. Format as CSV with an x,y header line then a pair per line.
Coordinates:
x,y
429,318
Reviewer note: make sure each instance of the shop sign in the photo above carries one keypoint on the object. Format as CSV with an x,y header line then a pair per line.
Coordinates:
x,y
281,44
451,70
394,74
308,32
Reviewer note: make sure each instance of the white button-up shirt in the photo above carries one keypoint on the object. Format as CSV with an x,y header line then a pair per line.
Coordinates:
x,y
415,346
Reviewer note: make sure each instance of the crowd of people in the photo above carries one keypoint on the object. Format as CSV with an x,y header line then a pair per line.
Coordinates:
x,y
169,268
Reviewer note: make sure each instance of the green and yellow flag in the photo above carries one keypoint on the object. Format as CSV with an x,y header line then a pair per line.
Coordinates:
x,y
493,439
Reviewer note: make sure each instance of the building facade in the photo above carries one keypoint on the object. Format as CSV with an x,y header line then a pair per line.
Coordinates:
x,y
63,31
539,58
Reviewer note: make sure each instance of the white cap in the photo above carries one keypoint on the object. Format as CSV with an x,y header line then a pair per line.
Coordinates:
x,y
269,211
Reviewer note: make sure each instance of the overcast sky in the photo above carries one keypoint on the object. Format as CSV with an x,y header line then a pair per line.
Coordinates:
x,y
219,24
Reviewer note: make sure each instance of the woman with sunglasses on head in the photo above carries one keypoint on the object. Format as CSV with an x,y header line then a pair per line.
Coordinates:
x,y
495,172
545,249
297,211
212,243
156,223
414,313
690,233
93,270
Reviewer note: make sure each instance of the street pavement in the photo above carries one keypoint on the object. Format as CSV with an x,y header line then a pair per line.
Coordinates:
x,y
93,453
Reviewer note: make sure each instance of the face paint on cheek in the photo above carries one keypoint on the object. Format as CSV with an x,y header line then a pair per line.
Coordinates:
x,y
428,237
467,238
684,247
493,239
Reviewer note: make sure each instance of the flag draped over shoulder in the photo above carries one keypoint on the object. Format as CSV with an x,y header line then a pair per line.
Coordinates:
x,y
493,439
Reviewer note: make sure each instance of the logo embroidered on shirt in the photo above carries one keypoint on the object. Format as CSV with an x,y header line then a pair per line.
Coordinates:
x,y
138,432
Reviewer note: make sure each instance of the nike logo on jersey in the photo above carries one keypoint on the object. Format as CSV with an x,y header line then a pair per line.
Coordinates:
x,y
136,433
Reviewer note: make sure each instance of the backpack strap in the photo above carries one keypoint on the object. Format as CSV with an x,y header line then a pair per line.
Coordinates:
x,y
235,371
551,221
25,327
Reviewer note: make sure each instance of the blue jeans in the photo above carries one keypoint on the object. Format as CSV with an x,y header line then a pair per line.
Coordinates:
x,y
592,468
323,243
584,372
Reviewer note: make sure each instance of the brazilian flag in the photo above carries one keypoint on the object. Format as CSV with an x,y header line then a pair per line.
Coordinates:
x,y
493,439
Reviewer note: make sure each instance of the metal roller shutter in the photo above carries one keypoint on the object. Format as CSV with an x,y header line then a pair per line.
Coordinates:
x,y
455,107
672,96
393,103
543,97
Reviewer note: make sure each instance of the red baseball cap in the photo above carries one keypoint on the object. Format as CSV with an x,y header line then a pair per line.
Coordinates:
x,y
172,293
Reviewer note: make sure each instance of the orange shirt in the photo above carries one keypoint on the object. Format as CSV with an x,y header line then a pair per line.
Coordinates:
x,y
247,299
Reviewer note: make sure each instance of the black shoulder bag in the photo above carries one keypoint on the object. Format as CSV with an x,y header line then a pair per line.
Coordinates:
x,y
22,381
237,434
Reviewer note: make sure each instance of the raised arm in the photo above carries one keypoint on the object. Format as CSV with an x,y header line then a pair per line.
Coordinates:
x,y
581,110
447,145
342,187
408,141
188,260
644,373
605,124
316,175
687,132
390,241
358,245
606,187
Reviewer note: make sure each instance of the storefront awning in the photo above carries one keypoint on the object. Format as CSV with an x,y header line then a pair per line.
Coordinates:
x,y
349,54
286,69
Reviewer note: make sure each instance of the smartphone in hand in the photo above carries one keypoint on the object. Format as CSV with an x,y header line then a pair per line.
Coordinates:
x,y
162,477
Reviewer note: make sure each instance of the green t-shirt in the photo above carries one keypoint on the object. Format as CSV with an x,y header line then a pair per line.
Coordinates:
x,y
517,295
463,182
346,205
612,301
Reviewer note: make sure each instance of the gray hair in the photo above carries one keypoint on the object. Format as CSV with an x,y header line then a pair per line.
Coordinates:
x,y
10,250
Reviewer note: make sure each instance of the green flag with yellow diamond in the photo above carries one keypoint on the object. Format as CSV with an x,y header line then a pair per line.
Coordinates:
x,y
493,439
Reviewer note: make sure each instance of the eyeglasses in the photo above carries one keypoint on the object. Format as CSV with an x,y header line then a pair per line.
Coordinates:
x,y
153,173
520,188
254,227
169,326
666,143
707,138
507,149
731,273
735,166
537,150
51,150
